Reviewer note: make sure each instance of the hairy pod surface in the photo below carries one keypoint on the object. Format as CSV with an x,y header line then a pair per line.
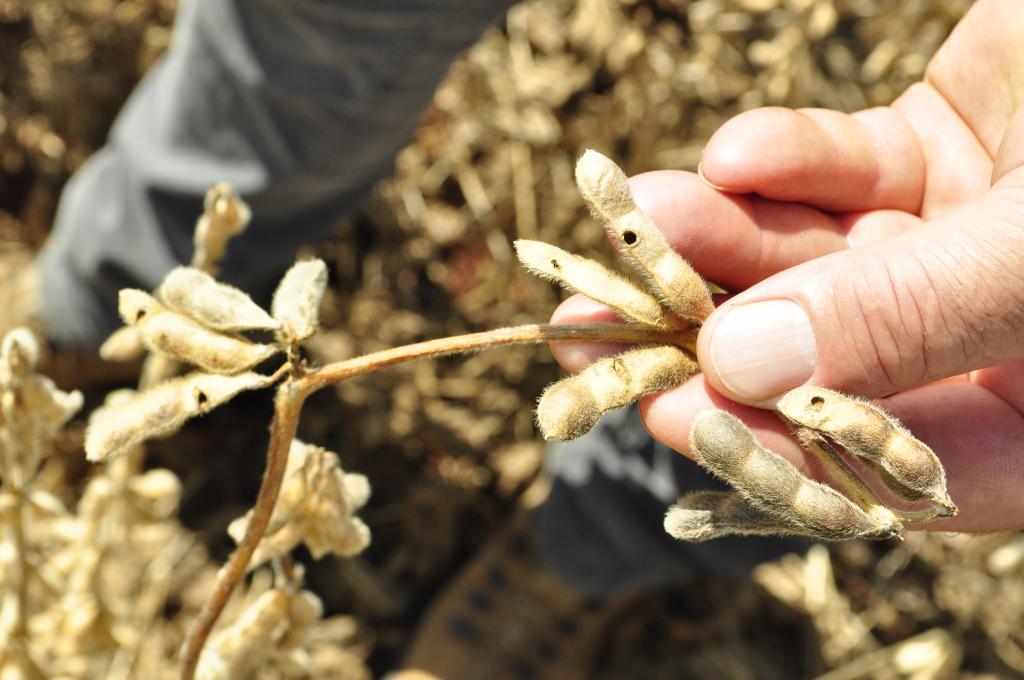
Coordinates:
x,y
572,406
19,353
224,215
727,448
123,345
52,407
217,306
239,649
296,301
640,243
704,515
180,337
316,506
116,427
908,467
157,492
581,275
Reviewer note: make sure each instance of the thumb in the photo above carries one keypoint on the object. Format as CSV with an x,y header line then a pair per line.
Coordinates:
x,y
943,299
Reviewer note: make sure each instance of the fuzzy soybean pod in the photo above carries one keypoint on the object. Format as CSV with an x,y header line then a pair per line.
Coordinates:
x,y
296,301
905,464
704,515
216,305
239,649
728,449
582,275
606,190
116,427
224,215
572,406
123,345
180,337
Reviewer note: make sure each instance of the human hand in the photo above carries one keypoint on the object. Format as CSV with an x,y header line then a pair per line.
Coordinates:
x,y
879,253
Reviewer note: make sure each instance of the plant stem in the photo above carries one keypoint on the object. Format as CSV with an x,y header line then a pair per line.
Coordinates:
x,y
530,334
287,405
294,391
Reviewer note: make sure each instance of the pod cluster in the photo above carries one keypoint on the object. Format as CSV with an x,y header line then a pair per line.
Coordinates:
x,y
194,319
316,506
667,295
770,496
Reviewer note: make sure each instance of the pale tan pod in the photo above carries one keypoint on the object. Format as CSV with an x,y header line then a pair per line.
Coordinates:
x,y
727,448
236,651
572,406
179,337
578,274
316,507
704,515
19,351
305,611
158,492
905,464
357,489
333,528
215,305
116,427
45,401
296,301
640,243
224,215
123,345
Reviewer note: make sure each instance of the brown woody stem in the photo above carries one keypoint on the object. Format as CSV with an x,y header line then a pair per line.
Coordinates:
x,y
294,391
517,335
287,405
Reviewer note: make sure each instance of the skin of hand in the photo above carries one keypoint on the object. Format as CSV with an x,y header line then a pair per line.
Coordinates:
x,y
879,253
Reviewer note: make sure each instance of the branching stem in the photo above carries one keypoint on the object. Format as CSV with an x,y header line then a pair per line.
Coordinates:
x,y
293,393
287,405
516,335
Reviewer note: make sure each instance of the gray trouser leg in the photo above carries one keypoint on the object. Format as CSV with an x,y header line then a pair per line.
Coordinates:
x,y
300,104
601,527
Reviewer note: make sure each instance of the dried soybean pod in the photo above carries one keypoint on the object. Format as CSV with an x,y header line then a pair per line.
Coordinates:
x,y
297,300
572,406
727,448
704,515
582,275
225,215
606,190
120,424
19,353
905,464
179,337
215,305
123,345
236,651
52,407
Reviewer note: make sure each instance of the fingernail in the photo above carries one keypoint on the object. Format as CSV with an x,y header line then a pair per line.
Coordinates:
x,y
763,349
703,178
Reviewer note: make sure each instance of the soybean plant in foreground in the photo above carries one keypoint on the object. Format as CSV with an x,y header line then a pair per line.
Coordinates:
x,y
192,319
